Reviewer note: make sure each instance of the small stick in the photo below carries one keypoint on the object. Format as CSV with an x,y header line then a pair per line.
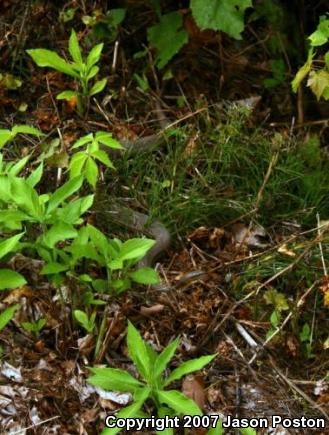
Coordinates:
x,y
115,55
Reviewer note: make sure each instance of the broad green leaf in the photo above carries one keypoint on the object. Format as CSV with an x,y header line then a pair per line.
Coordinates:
x,y
50,59
223,15
145,275
218,430
17,167
84,320
98,239
10,279
115,264
107,139
9,245
189,367
164,411
302,72
83,141
131,411
8,217
26,197
98,87
72,211
58,232
94,55
34,178
74,48
113,379
91,171
164,358
64,192
54,268
168,37
180,403
7,315
138,351
26,129
318,81
5,136
248,431
321,35
77,163
134,249
93,71
66,95
103,158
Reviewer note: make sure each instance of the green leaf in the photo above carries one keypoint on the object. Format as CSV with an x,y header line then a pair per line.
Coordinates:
x,y
64,192
58,232
145,275
17,167
91,172
66,95
54,268
114,379
7,315
319,82
138,351
26,197
218,430
98,87
248,431
83,141
26,129
134,249
164,358
74,48
168,37
180,403
77,163
277,299
302,72
222,15
189,367
5,136
50,59
93,71
9,245
94,55
131,411
87,323
321,35
10,279
34,178
107,139
103,158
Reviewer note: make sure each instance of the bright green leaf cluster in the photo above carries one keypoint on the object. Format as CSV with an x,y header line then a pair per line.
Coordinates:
x,y
318,79
82,70
151,367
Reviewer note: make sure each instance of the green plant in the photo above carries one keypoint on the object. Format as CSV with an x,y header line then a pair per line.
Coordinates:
x,y
7,135
318,78
84,162
105,26
82,70
88,323
35,327
168,36
118,258
9,278
151,367
7,314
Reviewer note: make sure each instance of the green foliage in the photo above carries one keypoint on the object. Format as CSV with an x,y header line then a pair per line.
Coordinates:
x,y
7,314
35,327
7,135
88,323
223,15
82,70
168,37
8,278
318,79
84,162
105,26
278,71
151,367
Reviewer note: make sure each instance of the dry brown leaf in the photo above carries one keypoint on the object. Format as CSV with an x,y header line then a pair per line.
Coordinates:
x,y
193,387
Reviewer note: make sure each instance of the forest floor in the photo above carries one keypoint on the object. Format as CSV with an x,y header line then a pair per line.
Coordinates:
x,y
243,191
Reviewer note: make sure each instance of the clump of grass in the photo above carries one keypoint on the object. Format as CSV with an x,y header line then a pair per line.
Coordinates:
x,y
220,180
